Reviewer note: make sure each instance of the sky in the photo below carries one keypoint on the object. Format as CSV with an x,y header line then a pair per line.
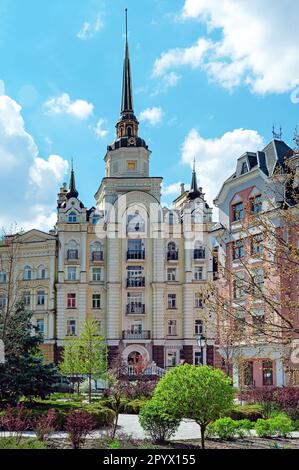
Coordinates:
x,y
210,78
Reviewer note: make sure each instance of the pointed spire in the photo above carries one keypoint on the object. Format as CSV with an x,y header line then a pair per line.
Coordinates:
x,y
127,95
72,192
194,191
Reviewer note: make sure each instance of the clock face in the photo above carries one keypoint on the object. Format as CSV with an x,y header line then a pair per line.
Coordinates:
x,y
132,141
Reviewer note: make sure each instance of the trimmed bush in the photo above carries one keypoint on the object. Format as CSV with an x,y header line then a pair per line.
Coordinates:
x,y
243,428
156,424
250,412
263,428
12,444
281,426
134,407
224,428
102,416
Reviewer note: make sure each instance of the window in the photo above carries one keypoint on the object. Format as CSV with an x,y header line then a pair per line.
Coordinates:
x,y
248,373
267,373
256,204
132,165
171,301
2,277
239,324
71,328
199,252
135,303
27,273
71,301
172,252
135,249
171,274
40,323
71,273
198,300
41,298
2,301
72,252
198,358
170,219
96,274
171,358
238,249
258,321
97,252
72,217
244,168
41,272
239,285
95,219
198,274
257,245
26,298
96,301
172,328
238,211
257,282
198,328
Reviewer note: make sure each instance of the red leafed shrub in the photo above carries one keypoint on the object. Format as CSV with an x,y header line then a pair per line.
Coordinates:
x,y
45,425
16,420
78,425
265,396
287,398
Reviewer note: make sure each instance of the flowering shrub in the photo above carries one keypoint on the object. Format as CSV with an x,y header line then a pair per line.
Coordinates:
x,y
78,425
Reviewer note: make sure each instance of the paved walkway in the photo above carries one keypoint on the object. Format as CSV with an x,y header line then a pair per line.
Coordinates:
x,y
129,424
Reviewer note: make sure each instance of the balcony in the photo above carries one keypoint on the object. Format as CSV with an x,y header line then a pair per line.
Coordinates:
x,y
135,255
199,254
136,282
172,256
97,256
136,335
135,308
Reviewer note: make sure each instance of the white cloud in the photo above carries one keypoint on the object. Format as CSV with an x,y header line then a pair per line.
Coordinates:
x,y
254,48
216,158
89,29
172,189
99,130
152,116
28,183
2,87
63,104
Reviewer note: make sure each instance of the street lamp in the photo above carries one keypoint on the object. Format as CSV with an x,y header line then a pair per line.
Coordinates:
x,y
202,342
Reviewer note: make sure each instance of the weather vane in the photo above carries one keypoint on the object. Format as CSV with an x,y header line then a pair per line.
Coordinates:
x,y
277,135
296,138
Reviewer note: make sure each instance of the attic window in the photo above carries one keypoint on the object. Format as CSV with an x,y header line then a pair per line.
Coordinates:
x,y
72,218
244,168
132,165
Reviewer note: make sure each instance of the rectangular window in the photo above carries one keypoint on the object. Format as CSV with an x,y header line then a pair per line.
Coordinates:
x,y
258,321
198,274
256,204
96,274
238,211
267,373
40,323
248,373
197,358
171,274
238,249
257,245
2,277
132,165
171,358
41,298
257,282
198,329
72,255
172,328
96,301
26,298
239,285
71,273
198,300
171,301
71,328
2,301
71,301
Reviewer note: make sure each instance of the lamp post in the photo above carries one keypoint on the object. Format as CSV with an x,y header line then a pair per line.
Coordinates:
x,y
201,341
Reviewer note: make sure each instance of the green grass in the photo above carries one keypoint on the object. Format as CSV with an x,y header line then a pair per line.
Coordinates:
x,y
11,443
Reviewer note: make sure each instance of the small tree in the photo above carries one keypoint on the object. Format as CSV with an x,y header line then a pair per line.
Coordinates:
x,y
78,425
71,364
199,393
155,423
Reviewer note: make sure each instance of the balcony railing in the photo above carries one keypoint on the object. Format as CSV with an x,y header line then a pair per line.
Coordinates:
x,y
135,307
199,254
150,370
135,254
97,256
144,334
172,256
136,282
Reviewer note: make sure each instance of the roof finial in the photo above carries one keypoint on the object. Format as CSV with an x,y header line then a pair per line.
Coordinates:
x,y
277,135
126,12
72,192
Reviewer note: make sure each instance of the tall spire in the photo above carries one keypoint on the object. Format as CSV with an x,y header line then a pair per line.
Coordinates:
x,y
72,192
194,191
127,95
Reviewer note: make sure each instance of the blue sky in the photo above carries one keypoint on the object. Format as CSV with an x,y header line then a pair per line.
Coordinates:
x,y
209,81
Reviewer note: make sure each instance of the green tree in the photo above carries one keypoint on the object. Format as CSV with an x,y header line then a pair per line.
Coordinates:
x,y
24,372
70,364
200,393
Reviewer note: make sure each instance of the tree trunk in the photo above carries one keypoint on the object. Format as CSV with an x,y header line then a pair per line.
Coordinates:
x,y
202,432
89,388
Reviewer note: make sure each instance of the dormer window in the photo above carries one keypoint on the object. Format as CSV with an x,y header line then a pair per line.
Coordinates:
x,y
256,204
244,168
238,211
72,218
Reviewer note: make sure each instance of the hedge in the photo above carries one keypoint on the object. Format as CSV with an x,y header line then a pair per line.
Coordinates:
x,y
250,412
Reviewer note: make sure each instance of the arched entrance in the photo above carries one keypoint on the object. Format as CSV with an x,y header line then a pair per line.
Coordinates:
x,y
136,357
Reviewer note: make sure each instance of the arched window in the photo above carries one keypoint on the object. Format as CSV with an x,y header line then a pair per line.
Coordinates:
x,y
72,252
129,131
41,272
172,252
199,251
72,217
27,273
97,252
2,277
